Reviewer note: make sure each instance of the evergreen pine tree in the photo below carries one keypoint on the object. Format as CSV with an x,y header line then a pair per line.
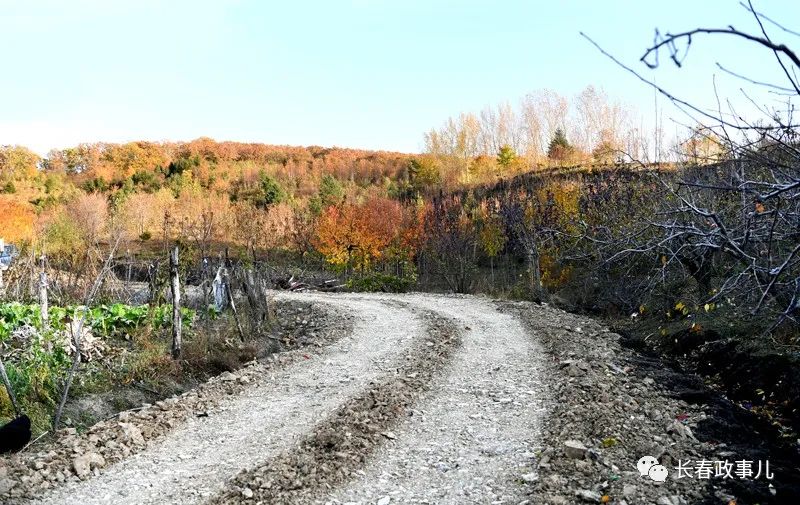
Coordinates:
x,y
559,148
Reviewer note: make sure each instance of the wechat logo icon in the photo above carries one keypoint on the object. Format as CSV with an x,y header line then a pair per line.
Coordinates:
x,y
648,466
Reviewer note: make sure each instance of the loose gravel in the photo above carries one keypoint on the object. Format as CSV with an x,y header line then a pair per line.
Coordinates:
x,y
196,460
342,444
431,399
606,413
471,438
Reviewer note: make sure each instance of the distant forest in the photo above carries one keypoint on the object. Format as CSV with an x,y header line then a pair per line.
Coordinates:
x,y
552,199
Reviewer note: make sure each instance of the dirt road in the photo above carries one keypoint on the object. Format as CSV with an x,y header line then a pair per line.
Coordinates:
x,y
414,398
467,435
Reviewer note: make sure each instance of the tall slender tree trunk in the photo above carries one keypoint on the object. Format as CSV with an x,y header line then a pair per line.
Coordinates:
x,y
535,276
232,303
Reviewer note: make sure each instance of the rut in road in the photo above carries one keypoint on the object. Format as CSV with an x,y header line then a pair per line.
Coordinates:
x,y
196,460
469,439
473,436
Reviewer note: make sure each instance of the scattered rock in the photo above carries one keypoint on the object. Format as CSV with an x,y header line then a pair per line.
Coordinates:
x,y
589,496
132,434
629,491
85,463
6,485
575,449
608,411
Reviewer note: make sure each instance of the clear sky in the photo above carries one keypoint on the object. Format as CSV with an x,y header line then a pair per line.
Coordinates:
x,y
360,73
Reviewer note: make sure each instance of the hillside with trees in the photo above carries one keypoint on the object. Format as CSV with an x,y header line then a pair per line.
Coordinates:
x,y
639,296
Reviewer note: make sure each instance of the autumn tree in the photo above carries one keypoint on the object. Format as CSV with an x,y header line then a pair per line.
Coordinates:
x,y
348,239
16,220
484,169
17,163
608,150
451,243
703,146
592,121
424,173
599,122
90,213
142,214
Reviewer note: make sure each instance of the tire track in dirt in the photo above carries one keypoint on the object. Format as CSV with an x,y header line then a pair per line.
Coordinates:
x,y
336,450
195,461
473,436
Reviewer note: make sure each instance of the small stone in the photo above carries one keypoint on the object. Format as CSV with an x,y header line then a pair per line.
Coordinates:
x,y
384,500
628,490
132,433
6,485
575,449
574,371
590,496
247,492
529,478
84,464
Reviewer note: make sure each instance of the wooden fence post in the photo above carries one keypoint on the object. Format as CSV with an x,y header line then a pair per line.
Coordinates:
x,y
175,286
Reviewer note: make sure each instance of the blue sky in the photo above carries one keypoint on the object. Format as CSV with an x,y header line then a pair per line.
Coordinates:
x,y
359,73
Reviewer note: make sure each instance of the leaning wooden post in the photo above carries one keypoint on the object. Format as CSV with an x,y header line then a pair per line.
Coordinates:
x,y
43,294
175,286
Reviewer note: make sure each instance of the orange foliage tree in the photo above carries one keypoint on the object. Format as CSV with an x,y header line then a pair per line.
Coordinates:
x,y
357,236
16,220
